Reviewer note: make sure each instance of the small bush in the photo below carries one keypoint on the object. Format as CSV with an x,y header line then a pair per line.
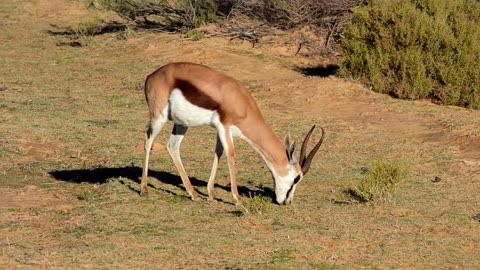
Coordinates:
x,y
257,204
379,184
194,34
85,31
86,195
417,49
199,12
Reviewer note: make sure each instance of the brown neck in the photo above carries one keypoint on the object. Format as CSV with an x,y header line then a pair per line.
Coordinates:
x,y
269,145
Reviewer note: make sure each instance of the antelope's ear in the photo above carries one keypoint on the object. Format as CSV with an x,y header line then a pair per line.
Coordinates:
x,y
290,149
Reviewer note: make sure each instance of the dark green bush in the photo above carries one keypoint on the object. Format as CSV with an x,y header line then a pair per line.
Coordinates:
x,y
417,49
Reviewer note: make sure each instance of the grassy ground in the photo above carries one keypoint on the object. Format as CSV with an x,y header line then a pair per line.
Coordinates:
x,y
71,118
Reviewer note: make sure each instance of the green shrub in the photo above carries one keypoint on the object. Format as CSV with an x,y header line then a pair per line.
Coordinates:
x,y
194,34
86,195
379,183
417,49
199,12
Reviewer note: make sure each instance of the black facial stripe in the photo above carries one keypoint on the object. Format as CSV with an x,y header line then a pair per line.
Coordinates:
x,y
288,192
295,181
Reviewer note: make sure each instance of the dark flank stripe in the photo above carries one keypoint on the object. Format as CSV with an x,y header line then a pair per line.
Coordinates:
x,y
195,96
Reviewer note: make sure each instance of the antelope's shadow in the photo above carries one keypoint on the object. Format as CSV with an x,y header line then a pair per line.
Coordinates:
x,y
101,175
319,71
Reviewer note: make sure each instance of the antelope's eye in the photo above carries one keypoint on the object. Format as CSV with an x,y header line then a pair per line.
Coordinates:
x,y
295,181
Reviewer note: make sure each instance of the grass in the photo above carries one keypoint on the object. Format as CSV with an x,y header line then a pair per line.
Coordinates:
x,y
79,112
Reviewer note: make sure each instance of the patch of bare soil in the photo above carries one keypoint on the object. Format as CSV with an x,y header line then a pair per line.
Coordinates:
x,y
61,13
17,203
32,197
25,223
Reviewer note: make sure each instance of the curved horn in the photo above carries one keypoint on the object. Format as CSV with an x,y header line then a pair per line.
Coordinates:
x,y
308,160
303,151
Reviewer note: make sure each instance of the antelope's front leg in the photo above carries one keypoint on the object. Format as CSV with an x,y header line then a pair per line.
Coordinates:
x,y
173,147
213,174
225,137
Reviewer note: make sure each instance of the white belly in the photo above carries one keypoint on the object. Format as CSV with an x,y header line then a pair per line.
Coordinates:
x,y
184,113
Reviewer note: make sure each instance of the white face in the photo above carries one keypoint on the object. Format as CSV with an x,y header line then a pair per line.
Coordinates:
x,y
285,186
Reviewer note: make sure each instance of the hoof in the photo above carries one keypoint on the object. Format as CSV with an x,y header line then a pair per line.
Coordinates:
x,y
144,194
195,196
238,200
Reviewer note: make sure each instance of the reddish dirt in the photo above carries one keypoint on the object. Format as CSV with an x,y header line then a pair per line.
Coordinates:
x,y
29,199
32,197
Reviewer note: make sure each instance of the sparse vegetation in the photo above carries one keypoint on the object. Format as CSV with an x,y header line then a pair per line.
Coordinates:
x,y
194,34
416,49
84,32
72,118
379,183
179,15
329,17
193,13
257,204
282,256
86,195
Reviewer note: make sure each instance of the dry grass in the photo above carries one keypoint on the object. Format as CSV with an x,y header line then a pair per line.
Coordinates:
x,y
69,169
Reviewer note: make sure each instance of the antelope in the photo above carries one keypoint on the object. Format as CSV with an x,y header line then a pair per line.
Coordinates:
x,y
193,95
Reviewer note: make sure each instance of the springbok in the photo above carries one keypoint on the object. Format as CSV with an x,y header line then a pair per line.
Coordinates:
x,y
195,95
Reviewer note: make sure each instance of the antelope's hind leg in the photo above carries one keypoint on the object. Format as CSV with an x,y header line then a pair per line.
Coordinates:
x,y
154,128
